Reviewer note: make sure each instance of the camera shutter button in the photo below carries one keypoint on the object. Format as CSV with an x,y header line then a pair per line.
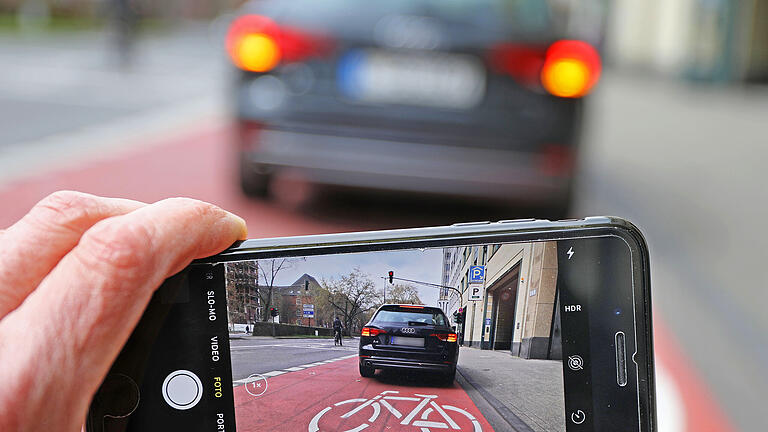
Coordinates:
x,y
182,389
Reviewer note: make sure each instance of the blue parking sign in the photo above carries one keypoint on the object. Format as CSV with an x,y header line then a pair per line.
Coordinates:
x,y
476,274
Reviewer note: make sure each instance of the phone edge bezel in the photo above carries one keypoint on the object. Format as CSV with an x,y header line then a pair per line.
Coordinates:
x,y
542,230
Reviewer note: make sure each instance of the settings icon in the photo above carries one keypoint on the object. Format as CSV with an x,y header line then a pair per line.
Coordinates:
x,y
575,362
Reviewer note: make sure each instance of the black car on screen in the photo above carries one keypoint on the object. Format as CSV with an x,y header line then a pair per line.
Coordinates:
x,y
475,98
408,337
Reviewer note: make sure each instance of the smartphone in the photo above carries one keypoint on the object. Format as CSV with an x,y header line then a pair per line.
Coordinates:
x,y
523,325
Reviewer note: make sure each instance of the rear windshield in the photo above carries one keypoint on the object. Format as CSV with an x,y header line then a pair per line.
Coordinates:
x,y
519,15
401,317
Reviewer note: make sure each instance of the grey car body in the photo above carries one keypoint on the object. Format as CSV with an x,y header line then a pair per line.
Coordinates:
x,y
477,133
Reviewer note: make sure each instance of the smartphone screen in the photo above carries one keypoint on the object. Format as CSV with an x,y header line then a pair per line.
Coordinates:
x,y
531,336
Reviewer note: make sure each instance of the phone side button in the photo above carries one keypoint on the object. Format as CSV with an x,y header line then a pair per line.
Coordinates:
x,y
461,224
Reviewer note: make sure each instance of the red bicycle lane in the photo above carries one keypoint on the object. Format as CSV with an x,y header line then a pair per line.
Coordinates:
x,y
334,397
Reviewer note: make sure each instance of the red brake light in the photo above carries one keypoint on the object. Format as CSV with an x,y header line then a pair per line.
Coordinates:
x,y
446,337
571,68
412,306
520,61
256,43
371,331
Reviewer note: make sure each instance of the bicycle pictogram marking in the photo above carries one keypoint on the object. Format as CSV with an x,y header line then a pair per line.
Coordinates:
x,y
426,406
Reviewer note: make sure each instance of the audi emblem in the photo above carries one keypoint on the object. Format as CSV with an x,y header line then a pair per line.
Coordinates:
x,y
408,330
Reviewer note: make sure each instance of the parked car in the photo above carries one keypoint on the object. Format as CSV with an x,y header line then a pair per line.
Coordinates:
x,y
409,337
479,98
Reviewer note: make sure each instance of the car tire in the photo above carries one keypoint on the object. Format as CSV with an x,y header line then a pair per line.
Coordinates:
x,y
253,184
449,377
366,372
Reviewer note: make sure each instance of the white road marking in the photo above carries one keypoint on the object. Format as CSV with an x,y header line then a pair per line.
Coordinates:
x,y
273,373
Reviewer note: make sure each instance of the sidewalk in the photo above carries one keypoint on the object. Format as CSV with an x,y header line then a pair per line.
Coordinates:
x,y
524,392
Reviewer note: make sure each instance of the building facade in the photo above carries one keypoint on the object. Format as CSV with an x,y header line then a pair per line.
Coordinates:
x,y
293,298
242,278
518,307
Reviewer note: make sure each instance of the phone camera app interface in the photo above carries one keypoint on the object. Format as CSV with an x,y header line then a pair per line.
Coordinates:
x,y
472,338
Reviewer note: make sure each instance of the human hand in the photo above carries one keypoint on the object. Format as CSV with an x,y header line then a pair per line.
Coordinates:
x,y
76,273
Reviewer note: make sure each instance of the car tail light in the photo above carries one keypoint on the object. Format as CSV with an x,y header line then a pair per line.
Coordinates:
x,y
571,69
256,43
567,68
371,331
412,306
446,337
522,62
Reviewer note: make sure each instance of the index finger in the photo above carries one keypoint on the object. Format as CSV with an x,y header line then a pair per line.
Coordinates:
x,y
31,247
86,308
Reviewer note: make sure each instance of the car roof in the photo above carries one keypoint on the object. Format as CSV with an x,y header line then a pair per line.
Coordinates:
x,y
415,308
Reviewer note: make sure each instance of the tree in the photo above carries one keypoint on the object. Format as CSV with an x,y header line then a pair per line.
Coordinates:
x,y
324,310
350,296
404,294
268,271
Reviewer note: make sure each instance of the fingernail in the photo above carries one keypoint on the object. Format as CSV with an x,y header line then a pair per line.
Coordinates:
x,y
243,226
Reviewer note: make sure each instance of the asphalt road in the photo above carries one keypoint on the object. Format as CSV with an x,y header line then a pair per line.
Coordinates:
x,y
332,396
498,384
71,80
683,162
259,355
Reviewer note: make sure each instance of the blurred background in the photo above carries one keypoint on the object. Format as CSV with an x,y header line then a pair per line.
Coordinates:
x,y
312,117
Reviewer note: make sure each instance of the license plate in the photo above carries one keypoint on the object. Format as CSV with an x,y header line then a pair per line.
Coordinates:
x,y
429,79
406,341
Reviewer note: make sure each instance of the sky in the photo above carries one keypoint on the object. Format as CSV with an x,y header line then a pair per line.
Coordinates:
x,y
416,264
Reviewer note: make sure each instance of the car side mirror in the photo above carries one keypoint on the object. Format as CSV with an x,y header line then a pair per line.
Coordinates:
x,y
454,328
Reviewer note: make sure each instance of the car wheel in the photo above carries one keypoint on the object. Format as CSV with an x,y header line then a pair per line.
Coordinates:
x,y
366,372
449,377
253,184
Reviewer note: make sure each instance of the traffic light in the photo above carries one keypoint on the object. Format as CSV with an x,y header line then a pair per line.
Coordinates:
x,y
273,311
391,276
458,316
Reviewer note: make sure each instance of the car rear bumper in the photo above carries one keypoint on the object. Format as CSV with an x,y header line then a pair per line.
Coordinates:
x,y
399,363
407,166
